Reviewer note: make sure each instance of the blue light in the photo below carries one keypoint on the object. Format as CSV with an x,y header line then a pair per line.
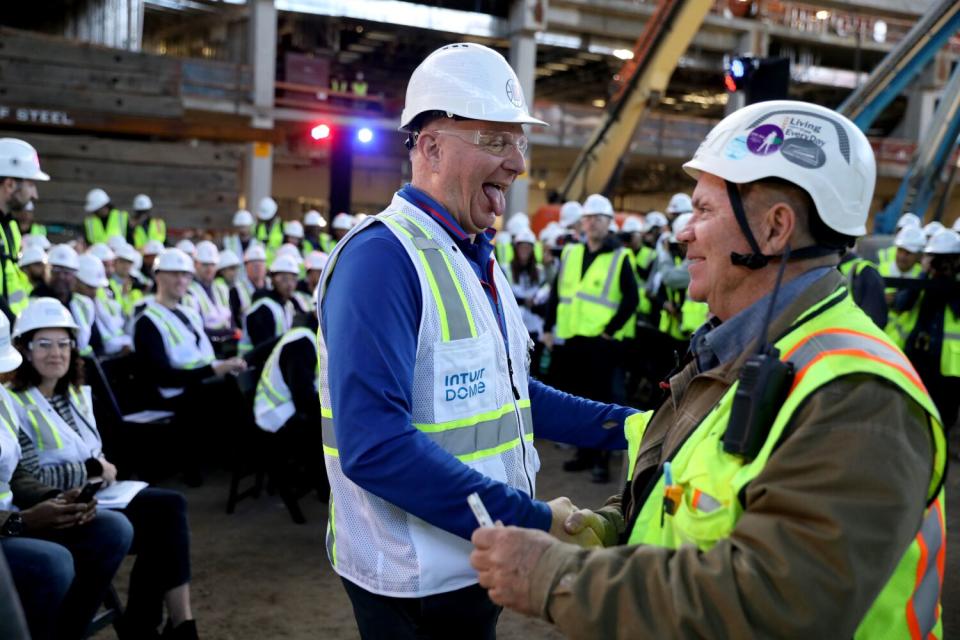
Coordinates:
x,y
736,68
365,135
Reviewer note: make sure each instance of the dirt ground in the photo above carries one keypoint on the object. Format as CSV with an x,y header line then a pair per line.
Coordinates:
x,y
256,574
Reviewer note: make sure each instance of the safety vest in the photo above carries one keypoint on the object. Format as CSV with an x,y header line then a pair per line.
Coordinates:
x,y
84,312
273,402
215,316
15,283
96,231
9,447
110,323
325,243
838,340
505,252
270,233
905,323
642,260
852,268
887,256
245,291
56,441
187,347
587,304
221,292
156,230
282,321
128,299
692,315
470,397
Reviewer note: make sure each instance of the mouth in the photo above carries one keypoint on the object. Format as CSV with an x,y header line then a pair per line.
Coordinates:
x,y
496,193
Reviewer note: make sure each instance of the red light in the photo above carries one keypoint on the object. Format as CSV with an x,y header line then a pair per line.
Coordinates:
x,y
320,132
729,83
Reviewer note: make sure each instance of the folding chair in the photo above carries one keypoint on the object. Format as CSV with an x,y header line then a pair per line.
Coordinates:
x,y
246,459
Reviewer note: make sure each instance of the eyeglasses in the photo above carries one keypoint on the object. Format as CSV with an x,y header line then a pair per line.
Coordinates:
x,y
496,143
45,344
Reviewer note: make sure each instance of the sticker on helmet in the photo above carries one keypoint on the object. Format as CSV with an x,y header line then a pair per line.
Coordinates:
x,y
803,152
765,139
737,148
514,94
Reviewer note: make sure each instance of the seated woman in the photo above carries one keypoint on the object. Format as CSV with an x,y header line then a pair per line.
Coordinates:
x,y
62,554
56,413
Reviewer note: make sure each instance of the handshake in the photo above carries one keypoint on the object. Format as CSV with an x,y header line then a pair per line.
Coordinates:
x,y
580,526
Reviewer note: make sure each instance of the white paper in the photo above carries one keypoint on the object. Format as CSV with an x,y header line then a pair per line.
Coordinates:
x,y
119,494
145,417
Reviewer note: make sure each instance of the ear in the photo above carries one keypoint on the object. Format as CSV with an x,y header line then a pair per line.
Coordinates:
x,y
779,224
428,147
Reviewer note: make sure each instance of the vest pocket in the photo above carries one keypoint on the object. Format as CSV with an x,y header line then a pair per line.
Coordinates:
x,y
703,518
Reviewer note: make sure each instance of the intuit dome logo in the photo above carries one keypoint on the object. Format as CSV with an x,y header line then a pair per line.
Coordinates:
x,y
460,386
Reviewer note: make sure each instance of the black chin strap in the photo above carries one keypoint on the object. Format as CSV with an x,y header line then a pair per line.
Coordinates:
x,y
757,259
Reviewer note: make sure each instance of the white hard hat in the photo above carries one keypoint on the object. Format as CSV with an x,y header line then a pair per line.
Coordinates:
x,y
679,225
597,205
911,238
228,259
945,241
813,147
207,253
35,240
91,271
316,260
102,251
655,219
174,260
293,228
517,223
285,263
287,249
243,218
632,224
153,248
19,159
570,213
267,208
128,253
524,235
44,313
10,358
96,199
956,224
32,255
63,255
551,228
255,252
613,227
313,218
343,221
142,202
115,242
467,80
909,219
187,247
932,228
680,203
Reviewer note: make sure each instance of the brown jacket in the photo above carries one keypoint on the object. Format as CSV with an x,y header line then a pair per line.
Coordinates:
x,y
824,525
27,491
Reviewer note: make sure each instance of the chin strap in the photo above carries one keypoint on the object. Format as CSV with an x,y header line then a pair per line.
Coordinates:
x,y
757,259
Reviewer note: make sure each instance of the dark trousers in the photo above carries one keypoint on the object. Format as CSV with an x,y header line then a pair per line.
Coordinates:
x,y
589,365
465,614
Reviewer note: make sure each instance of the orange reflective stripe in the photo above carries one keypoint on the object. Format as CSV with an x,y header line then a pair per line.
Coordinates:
x,y
923,609
696,498
858,353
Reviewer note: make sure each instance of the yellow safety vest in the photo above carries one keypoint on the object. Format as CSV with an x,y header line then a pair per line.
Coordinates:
x,y
587,304
903,326
156,230
96,231
16,285
839,341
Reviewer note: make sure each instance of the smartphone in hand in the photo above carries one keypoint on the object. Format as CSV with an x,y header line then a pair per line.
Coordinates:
x,y
89,490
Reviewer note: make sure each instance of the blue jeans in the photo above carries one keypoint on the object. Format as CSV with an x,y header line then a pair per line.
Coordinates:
x,y
62,575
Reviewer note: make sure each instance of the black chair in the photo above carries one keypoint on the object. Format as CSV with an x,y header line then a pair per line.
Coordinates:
x,y
245,460
111,612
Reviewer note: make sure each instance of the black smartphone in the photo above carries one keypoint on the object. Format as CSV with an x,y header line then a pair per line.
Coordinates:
x,y
89,490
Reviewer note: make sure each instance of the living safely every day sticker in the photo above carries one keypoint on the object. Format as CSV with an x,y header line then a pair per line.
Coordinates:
x,y
765,139
799,140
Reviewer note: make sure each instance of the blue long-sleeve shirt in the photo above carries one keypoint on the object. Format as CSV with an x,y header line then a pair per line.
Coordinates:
x,y
370,318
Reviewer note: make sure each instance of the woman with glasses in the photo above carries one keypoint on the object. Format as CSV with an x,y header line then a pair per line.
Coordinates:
x,y
56,413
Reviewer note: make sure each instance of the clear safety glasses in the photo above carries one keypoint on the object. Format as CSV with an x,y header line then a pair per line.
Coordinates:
x,y
497,143
45,345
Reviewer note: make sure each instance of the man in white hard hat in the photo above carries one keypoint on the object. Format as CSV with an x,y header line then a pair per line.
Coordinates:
x,y
128,290
227,271
908,250
102,220
109,321
439,366
810,506
314,264
146,226
242,235
504,240
680,203
19,174
570,215
887,256
33,264
592,308
269,229
26,224
314,236
293,234
252,280
272,311
150,252
342,223
217,320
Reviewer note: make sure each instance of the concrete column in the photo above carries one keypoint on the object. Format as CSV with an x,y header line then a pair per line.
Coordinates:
x,y
262,56
526,18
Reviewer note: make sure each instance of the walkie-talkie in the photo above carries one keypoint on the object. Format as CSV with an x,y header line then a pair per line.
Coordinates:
x,y
763,386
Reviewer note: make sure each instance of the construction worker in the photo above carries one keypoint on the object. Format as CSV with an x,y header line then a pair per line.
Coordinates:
x,y
26,224
19,173
239,241
679,204
866,285
188,247
293,234
61,285
32,240
908,247
810,506
593,309
314,238
549,238
254,279
932,228
887,256
272,311
928,324
438,368
269,229
102,220
92,281
314,264
33,265
227,270
505,239
146,226
150,251
530,290
217,320
571,214
342,223
128,291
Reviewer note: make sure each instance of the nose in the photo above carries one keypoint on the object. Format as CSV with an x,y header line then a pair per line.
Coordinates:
x,y
515,162
687,235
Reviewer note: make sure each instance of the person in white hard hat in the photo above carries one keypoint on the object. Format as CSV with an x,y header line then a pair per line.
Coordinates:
x,y
592,309
570,215
31,240
887,256
61,285
150,252
272,311
109,321
436,356
227,271
342,223
217,319
254,278
932,228
103,220
908,250
550,239
269,229
503,247
188,247
19,174
314,236
530,289
242,235
26,224
127,289
62,553
680,203
146,226
811,505
33,263
314,264
293,234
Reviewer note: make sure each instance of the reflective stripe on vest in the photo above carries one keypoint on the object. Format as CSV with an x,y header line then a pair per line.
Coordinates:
x,y
96,231
584,308
10,452
905,323
47,434
156,230
273,402
280,324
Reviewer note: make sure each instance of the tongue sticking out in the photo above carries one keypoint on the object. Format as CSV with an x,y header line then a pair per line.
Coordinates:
x,y
495,195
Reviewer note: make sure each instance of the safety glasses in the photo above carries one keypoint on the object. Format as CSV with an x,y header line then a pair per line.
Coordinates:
x,y
497,143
